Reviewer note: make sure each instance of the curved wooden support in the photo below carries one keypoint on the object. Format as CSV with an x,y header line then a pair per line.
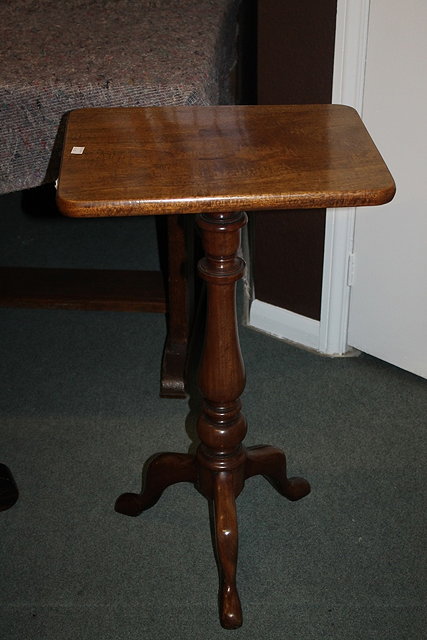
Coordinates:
x,y
271,463
226,546
222,463
180,295
163,470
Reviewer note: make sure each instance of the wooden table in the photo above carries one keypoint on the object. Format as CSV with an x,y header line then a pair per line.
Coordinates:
x,y
218,162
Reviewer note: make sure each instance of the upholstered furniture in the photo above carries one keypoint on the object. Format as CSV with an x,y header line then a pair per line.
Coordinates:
x,y
58,56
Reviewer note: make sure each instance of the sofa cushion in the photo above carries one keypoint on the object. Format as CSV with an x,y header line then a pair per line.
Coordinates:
x,y
58,56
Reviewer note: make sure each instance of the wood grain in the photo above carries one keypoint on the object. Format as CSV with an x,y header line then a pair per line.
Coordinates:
x,y
159,160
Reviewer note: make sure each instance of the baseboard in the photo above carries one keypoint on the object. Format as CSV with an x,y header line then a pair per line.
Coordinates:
x,y
284,324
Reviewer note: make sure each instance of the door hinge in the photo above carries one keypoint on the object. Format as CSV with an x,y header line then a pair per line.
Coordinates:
x,y
351,269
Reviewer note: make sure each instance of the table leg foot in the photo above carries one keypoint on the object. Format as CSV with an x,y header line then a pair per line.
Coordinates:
x,y
172,384
271,462
226,546
163,470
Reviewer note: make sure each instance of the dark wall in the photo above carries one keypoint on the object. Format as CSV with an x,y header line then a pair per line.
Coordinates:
x,y
295,51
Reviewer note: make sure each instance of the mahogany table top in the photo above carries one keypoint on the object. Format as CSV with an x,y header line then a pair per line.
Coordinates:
x,y
160,160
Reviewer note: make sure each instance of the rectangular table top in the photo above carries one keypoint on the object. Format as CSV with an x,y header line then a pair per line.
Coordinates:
x,y
160,160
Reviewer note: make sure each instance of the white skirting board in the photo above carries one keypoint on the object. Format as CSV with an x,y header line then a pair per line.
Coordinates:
x,y
284,324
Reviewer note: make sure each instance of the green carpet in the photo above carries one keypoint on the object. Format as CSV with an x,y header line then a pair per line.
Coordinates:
x,y
80,413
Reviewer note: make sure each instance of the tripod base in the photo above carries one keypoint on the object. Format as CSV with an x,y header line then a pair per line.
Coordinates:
x,y
221,488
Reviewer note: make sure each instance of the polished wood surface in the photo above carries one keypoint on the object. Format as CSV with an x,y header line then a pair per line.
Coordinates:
x,y
217,161
197,159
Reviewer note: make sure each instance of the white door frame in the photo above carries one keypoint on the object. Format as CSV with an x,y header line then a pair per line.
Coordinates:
x,y
351,41
329,336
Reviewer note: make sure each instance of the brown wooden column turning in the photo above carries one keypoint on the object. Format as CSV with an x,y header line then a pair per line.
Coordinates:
x,y
222,463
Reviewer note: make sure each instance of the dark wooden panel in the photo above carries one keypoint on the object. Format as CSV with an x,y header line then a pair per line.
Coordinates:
x,y
288,259
246,92
295,51
91,289
294,66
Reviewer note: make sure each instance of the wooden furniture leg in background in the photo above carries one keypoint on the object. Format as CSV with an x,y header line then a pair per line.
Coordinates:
x,y
222,463
8,489
180,305
120,290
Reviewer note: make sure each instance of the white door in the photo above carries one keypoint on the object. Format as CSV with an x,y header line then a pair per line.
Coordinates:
x,y
388,299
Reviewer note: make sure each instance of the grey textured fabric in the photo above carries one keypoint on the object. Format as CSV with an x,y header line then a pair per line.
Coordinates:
x,y
58,56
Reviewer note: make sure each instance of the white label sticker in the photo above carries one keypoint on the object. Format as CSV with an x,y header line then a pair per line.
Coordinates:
x,y
77,150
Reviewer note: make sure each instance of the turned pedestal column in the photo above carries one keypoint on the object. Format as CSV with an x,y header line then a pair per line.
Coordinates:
x,y
222,463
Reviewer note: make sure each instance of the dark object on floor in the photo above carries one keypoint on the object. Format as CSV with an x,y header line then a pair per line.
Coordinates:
x,y
8,489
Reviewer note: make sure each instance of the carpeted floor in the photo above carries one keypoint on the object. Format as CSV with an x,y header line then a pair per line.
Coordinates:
x,y
80,413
